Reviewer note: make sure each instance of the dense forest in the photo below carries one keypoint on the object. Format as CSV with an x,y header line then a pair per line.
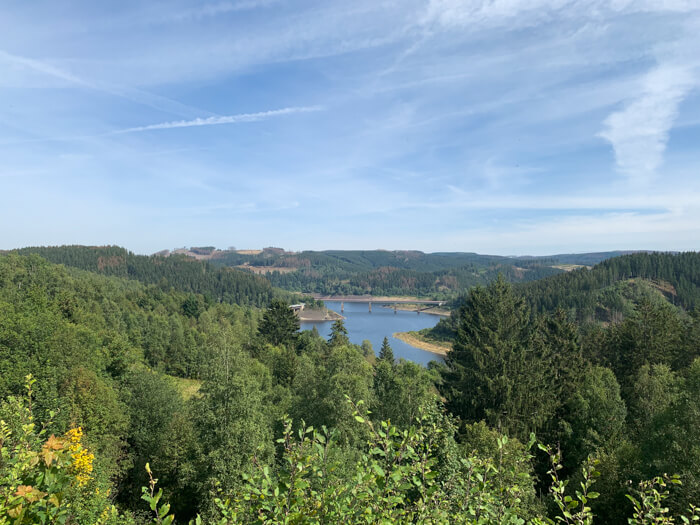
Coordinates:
x,y
585,290
382,272
127,401
230,276
441,284
607,292
177,271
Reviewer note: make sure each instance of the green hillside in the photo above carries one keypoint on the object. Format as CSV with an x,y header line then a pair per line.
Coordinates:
x,y
177,271
381,272
583,290
112,389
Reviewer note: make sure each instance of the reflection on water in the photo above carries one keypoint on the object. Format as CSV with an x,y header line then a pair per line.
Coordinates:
x,y
381,322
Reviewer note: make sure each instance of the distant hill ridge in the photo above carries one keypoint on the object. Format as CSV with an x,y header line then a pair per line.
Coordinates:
x,y
409,259
675,274
177,271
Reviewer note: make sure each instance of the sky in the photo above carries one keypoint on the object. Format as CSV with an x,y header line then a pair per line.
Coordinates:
x,y
504,127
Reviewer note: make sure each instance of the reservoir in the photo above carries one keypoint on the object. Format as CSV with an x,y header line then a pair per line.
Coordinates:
x,y
381,322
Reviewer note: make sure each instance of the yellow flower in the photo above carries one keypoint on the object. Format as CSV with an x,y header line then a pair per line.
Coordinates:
x,y
82,459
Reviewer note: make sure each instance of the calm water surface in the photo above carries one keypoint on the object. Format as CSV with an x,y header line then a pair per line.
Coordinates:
x,y
382,322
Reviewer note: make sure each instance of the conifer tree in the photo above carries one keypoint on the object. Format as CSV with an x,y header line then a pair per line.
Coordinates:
x,y
494,370
280,325
339,334
386,353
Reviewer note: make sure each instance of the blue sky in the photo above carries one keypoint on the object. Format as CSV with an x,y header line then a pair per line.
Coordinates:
x,y
494,126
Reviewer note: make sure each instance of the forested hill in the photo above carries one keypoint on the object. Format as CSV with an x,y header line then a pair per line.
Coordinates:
x,y
107,383
382,272
218,284
357,260
601,289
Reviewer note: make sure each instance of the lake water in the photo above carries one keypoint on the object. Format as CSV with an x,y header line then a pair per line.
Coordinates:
x,y
380,323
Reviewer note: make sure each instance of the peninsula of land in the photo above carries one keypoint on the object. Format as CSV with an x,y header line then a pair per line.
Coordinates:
x,y
323,314
420,308
418,340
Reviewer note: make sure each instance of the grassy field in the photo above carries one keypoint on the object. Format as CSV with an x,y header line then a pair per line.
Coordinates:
x,y
188,388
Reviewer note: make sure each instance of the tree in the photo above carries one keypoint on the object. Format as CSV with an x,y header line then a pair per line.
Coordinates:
x,y
672,444
339,334
192,306
280,324
401,391
386,353
367,349
596,414
233,415
495,372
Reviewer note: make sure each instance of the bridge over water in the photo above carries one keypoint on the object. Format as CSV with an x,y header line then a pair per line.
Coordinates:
x,y
384,301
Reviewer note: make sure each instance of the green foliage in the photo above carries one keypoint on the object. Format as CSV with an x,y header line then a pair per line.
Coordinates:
x,y
386,353
381,272
401,477
496,371
651,335
596,415
323,380
179,272
339,334
650,500
110,356
655,389
150,496
671,442
401,391
279,325
395,480
573,509
581,289
511,458
233,416
47,479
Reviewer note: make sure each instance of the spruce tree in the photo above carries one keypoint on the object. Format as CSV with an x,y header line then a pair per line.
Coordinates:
x,y
280,325
386,353
339,334
494,372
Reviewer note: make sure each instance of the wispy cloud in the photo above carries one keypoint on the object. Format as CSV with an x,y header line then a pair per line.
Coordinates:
x,y
227,119
220,8
482,117
639,132
522,13
138,96
43,67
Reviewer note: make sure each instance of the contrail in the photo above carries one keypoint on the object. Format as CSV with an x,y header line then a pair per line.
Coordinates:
x,y
227,119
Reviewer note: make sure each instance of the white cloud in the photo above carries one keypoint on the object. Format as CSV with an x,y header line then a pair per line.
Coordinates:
x,y
21,65
42,67
639,132
220,8
228,119
450,13
523,13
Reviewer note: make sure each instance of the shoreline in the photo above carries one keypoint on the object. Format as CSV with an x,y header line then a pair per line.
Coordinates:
x,y
308,316
414,308
367,298
411,338
406,304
